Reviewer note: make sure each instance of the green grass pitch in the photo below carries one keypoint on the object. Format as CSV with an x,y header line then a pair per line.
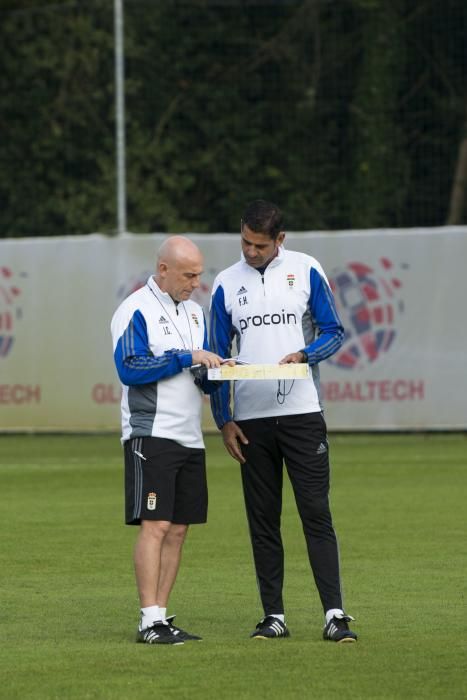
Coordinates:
x,y
68,601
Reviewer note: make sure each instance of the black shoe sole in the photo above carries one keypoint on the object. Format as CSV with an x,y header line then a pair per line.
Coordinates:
x,y
340,641
345,640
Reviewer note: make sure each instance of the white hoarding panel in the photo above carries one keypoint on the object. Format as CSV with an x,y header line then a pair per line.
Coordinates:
x,y
400,293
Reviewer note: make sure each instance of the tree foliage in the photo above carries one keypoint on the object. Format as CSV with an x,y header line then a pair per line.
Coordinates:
x,y
347,114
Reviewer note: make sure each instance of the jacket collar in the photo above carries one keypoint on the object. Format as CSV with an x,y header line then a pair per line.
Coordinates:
x,y
278,260
163,296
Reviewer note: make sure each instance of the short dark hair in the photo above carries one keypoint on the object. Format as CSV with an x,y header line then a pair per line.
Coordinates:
x,y
263,217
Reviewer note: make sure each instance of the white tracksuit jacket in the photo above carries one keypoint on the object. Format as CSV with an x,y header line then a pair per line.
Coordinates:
x,y
288,308
153,339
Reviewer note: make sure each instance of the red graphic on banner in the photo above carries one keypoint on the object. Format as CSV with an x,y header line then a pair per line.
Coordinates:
x,y
10,311
133,284
369,302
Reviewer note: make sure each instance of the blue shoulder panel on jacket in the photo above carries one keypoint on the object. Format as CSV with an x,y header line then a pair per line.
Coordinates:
x,y
135,362
325,317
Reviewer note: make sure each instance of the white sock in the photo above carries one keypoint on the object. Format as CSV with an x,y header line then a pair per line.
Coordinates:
x,y
334,612
163,612
279,616
149,616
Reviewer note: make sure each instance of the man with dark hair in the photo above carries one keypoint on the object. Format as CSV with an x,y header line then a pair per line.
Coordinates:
x,y
279,307
265,217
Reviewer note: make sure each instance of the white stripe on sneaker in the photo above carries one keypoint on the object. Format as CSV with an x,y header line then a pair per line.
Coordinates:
x,y
276,626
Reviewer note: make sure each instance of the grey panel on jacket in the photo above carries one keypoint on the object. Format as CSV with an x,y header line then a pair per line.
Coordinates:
x,y
308,327
142,402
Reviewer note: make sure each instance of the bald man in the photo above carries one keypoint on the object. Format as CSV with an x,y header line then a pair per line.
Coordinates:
x,y
158,334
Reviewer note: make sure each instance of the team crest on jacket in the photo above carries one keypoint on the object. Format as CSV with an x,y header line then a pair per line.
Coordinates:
x,y
291,280
195,319
152,501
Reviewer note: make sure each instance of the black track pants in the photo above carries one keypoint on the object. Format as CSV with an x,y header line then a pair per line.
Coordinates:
x,y
301,442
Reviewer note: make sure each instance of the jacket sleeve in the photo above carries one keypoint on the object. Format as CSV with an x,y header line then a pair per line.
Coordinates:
x,y
134,360
221,335
325,318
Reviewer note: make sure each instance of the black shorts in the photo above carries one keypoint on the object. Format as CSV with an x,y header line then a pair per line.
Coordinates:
x,y
164,481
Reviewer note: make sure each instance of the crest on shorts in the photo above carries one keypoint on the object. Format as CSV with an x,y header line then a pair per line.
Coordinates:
x,y
152,501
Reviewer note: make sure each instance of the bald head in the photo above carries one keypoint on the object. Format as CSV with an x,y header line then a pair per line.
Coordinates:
x,y
178,248
178,267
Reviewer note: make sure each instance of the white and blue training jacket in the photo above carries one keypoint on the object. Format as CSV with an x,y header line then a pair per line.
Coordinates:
x,y
287,308
153,339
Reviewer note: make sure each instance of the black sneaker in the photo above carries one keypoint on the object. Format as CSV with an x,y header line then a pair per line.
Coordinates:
x,y
158,633
337,629
270,628
182,634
